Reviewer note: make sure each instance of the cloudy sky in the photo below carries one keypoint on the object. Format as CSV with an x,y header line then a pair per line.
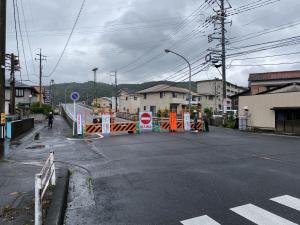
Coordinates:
x,y
130,36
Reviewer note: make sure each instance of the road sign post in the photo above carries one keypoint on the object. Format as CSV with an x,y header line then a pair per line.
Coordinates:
x,y
74,96
187,121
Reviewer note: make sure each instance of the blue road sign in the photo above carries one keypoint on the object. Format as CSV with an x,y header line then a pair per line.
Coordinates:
x,y
75,96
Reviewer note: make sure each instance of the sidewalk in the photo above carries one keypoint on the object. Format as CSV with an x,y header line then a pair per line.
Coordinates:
x,y
23,159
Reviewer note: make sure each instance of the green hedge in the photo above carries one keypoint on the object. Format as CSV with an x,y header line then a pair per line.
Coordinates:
x,y
44,109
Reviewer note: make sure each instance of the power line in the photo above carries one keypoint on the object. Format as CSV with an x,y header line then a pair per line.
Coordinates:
x,y
16,32
27,37
22,41
68,40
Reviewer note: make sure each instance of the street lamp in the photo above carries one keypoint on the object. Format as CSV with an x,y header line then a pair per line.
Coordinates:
x,y
190,75
95,73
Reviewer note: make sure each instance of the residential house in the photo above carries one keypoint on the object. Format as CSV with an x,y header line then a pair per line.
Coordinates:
x,y
25,95
211,92
161,97
272,101
128,102
104,103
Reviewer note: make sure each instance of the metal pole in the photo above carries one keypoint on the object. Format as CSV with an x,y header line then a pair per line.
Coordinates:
x,y
190,74
37,199
223,43
12,84
2,53
40,79
74,117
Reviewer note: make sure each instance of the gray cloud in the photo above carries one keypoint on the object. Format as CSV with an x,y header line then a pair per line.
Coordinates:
x,y
113,34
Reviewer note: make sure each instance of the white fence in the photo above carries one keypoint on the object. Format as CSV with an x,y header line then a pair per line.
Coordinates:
x,y
42,181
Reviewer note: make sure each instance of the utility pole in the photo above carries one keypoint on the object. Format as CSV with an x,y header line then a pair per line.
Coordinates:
x,y
14,66
223,43
95,87
40,59
218,56
2,54
115,75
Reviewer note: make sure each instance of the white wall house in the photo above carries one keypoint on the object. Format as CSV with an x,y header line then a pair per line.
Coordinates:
x,y
128,102
161,97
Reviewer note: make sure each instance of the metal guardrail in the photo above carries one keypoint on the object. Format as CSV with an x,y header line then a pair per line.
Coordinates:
x,y
42,181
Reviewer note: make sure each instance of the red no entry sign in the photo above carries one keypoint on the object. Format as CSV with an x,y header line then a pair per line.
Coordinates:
x,y
146,120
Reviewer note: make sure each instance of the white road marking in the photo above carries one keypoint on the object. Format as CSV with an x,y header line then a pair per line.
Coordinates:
x,y
288,201
201,220
260,216
86,139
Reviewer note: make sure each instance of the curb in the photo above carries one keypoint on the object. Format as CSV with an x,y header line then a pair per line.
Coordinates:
x,y
56,211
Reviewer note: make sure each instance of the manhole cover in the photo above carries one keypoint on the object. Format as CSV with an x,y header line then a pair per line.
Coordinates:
x,y
36,147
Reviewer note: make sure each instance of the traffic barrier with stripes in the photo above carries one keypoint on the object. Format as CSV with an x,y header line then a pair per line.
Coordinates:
x,y
123,127
198,127
93,128
114,128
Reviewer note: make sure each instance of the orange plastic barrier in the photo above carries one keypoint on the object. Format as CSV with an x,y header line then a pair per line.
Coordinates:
x,y
93,128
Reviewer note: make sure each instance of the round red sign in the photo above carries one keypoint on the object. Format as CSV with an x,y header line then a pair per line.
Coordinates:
x,y
145,118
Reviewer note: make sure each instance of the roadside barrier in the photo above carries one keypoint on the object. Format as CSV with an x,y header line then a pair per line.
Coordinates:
x,y
123,127
42,181
133,127
93,128
199,125
114,127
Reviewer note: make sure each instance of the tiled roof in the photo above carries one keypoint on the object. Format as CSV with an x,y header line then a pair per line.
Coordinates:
x,y
165,88
274,75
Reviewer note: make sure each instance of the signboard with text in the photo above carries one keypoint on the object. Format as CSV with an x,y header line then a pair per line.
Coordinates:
x,y
146,120
105,123
187,121
79,124
173,121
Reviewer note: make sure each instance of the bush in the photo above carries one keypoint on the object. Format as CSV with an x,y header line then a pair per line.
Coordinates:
x,y
208,113
44,109
159,113
230,120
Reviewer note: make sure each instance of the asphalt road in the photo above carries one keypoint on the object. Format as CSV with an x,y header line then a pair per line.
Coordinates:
x,y
165,178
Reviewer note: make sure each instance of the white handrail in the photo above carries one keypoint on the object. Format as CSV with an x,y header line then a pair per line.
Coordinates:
x,y
42,181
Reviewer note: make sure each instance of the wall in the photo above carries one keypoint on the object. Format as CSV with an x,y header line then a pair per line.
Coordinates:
x,y
19,127
260,106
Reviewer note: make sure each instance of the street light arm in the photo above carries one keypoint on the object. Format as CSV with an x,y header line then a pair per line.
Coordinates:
x,y
181,56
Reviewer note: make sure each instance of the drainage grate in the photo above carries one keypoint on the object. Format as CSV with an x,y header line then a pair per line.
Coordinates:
x,y
36,146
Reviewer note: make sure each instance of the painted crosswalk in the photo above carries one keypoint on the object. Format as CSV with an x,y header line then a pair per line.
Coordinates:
x,y
203,220
254,213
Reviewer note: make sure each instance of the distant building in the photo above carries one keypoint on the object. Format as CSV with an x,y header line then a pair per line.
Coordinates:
x,y
260,82
161,97
103,103
128,102
25,95
272,102
212,92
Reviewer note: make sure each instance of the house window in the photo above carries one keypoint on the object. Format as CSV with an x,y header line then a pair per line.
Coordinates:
x,y
135,98
211,98
161,94
145,107
174,94
126,98
145,96
19,92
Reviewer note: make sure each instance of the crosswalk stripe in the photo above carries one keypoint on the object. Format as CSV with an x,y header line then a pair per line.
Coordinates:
x,y
260,216
288,201
201,220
